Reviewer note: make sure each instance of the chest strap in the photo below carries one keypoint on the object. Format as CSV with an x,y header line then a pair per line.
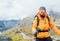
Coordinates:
x,y
38,30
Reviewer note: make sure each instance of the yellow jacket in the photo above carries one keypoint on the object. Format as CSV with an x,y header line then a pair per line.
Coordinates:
x,y
44,25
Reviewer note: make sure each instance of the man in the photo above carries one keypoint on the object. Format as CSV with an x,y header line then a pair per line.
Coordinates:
x,y
45,23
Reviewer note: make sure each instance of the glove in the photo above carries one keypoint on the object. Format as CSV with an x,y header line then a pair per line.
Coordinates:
x,y
35,34
37,30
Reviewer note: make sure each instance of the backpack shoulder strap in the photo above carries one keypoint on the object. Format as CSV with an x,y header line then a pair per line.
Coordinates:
x,y
48,19
37,19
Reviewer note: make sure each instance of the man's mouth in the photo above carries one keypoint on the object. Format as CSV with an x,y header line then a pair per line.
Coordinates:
x,y
42,16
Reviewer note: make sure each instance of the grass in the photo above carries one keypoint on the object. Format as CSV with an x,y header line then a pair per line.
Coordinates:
x,y
18,37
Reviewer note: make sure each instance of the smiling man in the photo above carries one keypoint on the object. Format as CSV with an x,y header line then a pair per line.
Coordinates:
x,y
42,24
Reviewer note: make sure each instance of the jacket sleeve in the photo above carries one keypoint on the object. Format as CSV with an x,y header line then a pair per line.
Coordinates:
x,y
53,27
34,25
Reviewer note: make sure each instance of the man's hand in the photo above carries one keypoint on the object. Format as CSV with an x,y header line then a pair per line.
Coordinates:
x,y
35,34
37,30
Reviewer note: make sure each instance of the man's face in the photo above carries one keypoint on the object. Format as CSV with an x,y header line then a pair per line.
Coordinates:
x,y
42,12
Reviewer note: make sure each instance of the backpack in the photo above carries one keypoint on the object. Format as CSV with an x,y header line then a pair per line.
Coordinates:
x,y
38,20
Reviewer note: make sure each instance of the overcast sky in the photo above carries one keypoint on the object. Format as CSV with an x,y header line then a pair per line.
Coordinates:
x,y
16,9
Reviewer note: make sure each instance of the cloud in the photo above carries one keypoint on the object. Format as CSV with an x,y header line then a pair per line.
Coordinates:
x,y
15,9
9,9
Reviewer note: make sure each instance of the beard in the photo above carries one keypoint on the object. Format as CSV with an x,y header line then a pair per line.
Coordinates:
x,y
42,16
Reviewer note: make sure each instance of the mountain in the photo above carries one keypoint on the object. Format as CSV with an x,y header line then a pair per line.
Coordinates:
x,y
27,22
26,32
7,24
55,15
